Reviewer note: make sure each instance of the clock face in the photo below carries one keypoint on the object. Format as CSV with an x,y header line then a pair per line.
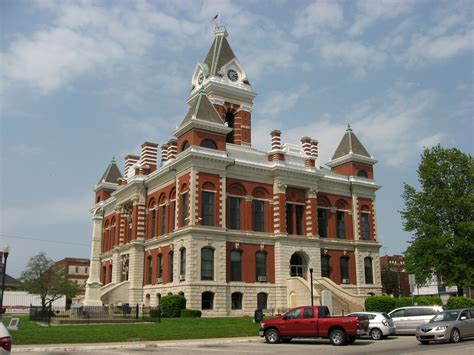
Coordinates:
x,y
200,79
232,75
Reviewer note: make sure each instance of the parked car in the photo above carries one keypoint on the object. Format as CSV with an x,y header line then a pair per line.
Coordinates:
x,y
380,324
406,319
5,340
452,325
313,322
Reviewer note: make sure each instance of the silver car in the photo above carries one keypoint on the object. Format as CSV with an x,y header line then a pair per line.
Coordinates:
x,y
452,325
380,324
406,319
5,340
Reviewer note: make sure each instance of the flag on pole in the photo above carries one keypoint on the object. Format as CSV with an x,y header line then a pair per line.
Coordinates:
x,y
216,20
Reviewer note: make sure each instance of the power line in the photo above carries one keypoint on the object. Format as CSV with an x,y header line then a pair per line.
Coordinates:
x,y
41,240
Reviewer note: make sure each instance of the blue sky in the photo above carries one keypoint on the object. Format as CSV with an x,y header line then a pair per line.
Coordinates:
x,y
83,81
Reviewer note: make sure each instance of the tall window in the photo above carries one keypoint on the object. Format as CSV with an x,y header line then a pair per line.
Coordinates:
x,y
207,263
262,300
289,218
325,266
170,266
208,208
364,219
234,212
236,302
182,263
160,266
207,300
113,231
149,270
323,222
299,219
294,219
235,265
163,219
173,214
258,207
110,273
345,270
153,223
261,266
369,275
340,224
184,209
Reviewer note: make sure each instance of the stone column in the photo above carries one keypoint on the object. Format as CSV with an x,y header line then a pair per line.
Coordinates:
x,y
116,267
135,273
92,296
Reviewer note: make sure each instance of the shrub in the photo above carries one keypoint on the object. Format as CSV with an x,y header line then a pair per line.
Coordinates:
x,y
380,304
190,313
155,312
172,305
404,302
428,300
459,302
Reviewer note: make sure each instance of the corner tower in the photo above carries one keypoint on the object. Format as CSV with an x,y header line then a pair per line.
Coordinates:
x,y
228,88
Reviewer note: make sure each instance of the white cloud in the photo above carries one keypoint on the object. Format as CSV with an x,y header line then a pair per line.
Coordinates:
x,y
431,141
281,101
318,17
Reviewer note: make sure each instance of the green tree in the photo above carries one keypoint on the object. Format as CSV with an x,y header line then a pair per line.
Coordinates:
x,y
441,216
40,278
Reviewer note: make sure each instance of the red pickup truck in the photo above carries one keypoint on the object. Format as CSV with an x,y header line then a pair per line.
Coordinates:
x,y
313,322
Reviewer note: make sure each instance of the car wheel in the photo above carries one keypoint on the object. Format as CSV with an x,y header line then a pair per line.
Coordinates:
x,y
376,334
455,336
285,340
272,336
351,339
337,337
424,342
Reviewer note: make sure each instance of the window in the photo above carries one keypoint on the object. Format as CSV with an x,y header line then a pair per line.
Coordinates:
x,y
299,219
325,266
308,313
344,269
207,300
289,218
153,223
185,145
207,208
173,214
369,276
110,273
258,215
294,314
399,313
262,300
182,261
340,224
294,219
362,173
229,118
323,222
170,266
149,270
160,266
207,264
261,265
364,218
184,209
163,219
234,212
236,302
208,143
235,265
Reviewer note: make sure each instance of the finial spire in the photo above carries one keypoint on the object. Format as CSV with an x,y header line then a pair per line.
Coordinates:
x,y
349,129
113,161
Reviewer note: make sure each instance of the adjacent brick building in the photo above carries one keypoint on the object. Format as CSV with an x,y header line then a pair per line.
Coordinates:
x,y
74,269
231,227
394,275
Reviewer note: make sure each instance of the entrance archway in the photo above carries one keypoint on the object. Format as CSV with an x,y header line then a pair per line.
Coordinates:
x,y
298,265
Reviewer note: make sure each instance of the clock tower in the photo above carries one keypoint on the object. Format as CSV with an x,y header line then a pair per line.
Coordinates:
x,y
227,86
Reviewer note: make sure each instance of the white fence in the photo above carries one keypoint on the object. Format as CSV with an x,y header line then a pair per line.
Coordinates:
x,y
20,301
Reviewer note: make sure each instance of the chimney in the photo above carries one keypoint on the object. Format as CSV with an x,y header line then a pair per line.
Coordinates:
x,y
314,148
276,141
129,161
149,154
172,148
164,153
306,142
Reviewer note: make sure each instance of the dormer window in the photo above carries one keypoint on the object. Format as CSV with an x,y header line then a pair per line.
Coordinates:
x,y
185,146
207,143
362,173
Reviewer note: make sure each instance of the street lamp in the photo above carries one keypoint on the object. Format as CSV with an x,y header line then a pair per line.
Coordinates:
x,y
3,265
311,275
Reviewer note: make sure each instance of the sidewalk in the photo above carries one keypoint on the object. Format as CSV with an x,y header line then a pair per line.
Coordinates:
x,y
128,345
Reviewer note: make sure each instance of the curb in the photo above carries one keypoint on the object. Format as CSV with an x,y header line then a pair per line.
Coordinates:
x,y
135,345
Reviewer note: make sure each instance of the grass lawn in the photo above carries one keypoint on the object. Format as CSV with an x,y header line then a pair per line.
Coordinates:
x,y
168,329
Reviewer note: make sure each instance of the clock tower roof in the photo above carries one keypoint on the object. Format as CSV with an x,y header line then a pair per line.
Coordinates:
x,y
220,52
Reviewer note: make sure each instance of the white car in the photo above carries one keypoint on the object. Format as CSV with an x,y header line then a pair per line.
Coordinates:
x,y
5,340
380,324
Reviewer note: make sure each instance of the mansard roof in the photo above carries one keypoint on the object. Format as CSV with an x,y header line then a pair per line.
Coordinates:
x,y
202,109
220,52
350,144
111,174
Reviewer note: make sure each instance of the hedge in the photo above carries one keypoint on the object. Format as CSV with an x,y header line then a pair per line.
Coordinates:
x,y
190,313
172,305
380,304
428,300
459,302
155,312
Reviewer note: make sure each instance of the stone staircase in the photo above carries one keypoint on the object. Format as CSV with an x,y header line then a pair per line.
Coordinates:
x,y
343,301
113,293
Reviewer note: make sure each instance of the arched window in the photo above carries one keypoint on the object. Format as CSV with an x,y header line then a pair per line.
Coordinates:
x,y
182,264
185,146
158,299
149,270
207,300
160,268
207,263
236,265
208,208
236,302
261,266
365,223
184,205
369,274
208,143
345,270
326,266
258,209
262,300
170,266
341,224
362,173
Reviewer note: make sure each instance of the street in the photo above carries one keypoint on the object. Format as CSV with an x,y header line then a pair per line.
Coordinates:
x,y
393,345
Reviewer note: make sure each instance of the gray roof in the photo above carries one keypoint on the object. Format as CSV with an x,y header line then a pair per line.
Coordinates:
x,y
219,54
111,174
202,109
350,144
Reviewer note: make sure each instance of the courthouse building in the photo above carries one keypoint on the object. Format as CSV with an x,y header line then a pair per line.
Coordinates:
x,y
231,227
